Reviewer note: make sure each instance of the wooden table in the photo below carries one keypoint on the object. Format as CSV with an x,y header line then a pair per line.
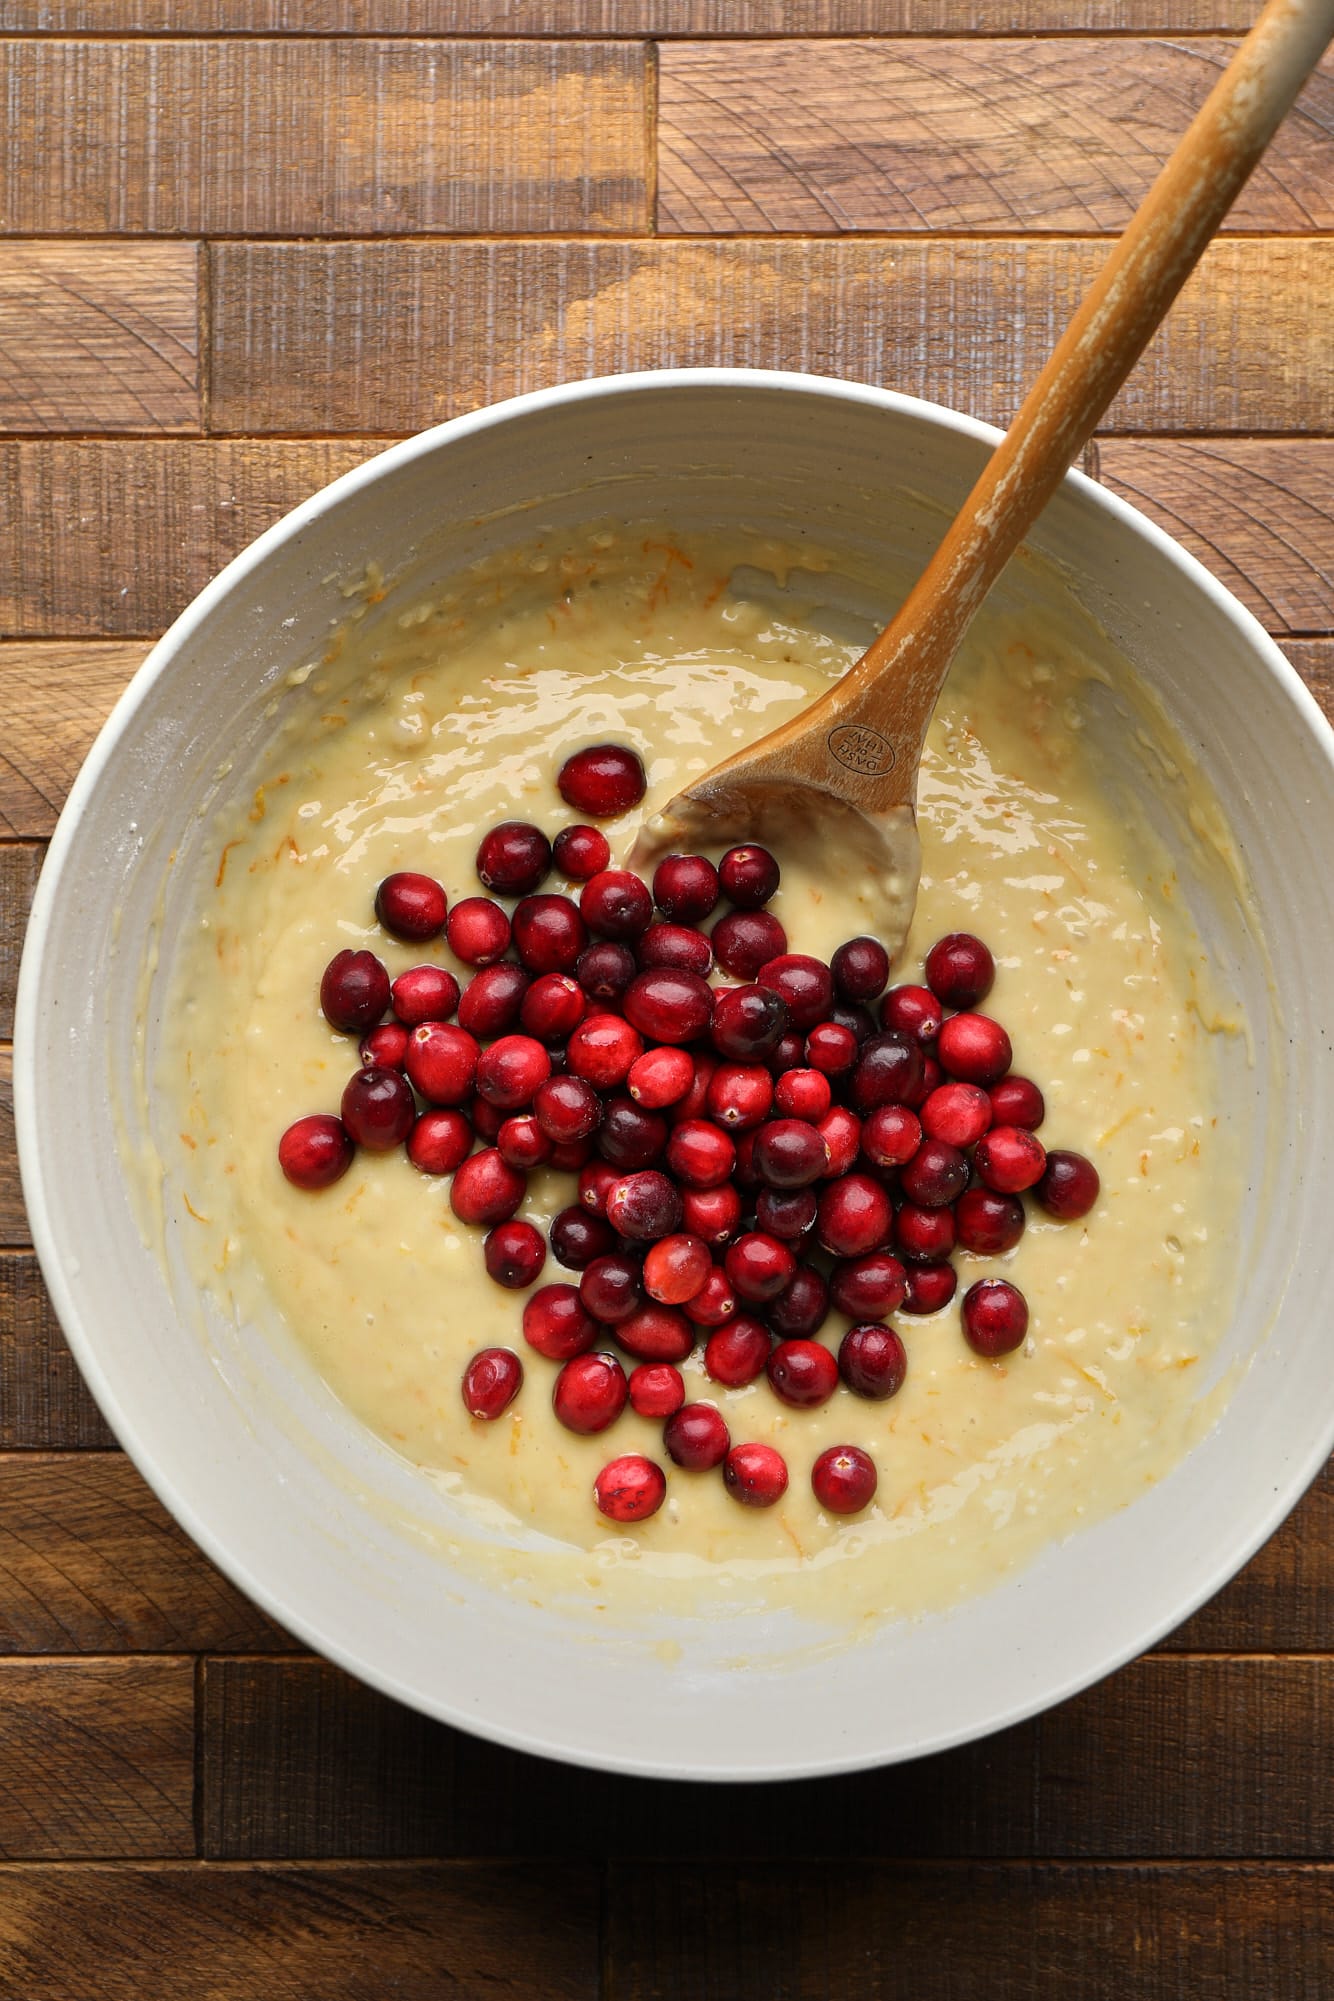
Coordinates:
x,y
243,243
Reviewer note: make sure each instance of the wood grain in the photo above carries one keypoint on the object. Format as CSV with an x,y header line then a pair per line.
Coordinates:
x,y
54,698
13,1220
1314,661
394,336
426,1932
96,1758
627,17
20,864
44,1401
97,337
313,138
955,135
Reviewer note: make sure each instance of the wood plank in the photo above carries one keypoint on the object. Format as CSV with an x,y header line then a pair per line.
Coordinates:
x,y
95,336
682,1931
90,1562
628,17
96,1758
1015,136
44,1401
323,138
54,696
20,864
13,1219
393,336
297,1759
1314,661
181,1932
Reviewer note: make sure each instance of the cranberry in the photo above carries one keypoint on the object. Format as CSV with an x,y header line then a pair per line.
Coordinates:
x,y
660,1077
891,1135
378,1109
566,1108
696,1098
988,1224
831,1048
602,1049
714,1303
644,1206
521,1142
605,970
629,1489
569,1155
669,1006
579,1238
841,1131
802,1307
316,1151
478,931
748,876
581,852
549,933
860,969
602,781
935,1176
696,1437
758,1267
486,1189
616,904
755,1475
354,991
924,1236
803,1094
932,1079
806,984
740,1095
736,1353
513,858
802,1373
960,970
744,1172
857,1019
929,1288
610,1289
844,1479
486,1120
855,1216
745,940
676,1268
1017,1101
410,906
628,1138
974,1047
514,1255
553,1007
589,1393
1010,1159
595,1184
959,1114
557,1323
790,1154
656,1389
700,1155
685,888
868,1288
423,993
873,1361
673,945
439,1142
789,1053
654,1333
510,1072
913,1011
995,1317
492,1001
786,1213
712,1213
888,1071
1069,1186
747,1023
384,1048
491,1381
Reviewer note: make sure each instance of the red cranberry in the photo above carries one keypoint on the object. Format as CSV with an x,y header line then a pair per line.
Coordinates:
x,y
513,858
924,1236
960,970
581,852
697,1097
932,1079
522,1143
510,1072
935,1176
660,1077
831,1048
610,1289
553,1007
1017,1101
929,1288
789,1053
959,1114
579,1238
806,984
549,933
891,1135
654,1333
802,1307
868,1288
354,991
758,1267
802,1373
855,1216
740,1095
410,906
844,1479
745,940
676,1268
644,1206
747,1023
595,1184
790,1154
841,1131
1069,1186
696,1437
316,1151
423,993
744,1171
995,1317
860,969
439,1142
988,1224
566,1108
975,1048
569,1155
888,1071
913,1011
557,1323
786,1213
616,904
748,877
486,1120
1010,1159
755,1475
628,1138
605,970
803,1094
589,1393
672,945
712,1213
378,1109
602,781
656,1389
629,1489
491,1381
492,1000
669,1006
602,1049
714,1303
385,1047
735,1354
700,1155
478,931
486,1189
685,888
514,1255
873,1361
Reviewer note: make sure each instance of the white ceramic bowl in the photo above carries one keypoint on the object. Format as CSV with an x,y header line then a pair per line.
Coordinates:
x,y
311,1516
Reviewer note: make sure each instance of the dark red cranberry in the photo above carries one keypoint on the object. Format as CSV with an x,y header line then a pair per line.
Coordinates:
x,y
602,1049
581,852
589,1393
385,1047
924,1236
860,969
844,1479
988,1224
995,1317
578,1237
714,1303
929,1288
932,1079
802,1373
868,1288
786,1213
936,1175
802,1307
654,1333
596,1182
486,1189
891,1135
603,780
803,1094
513,858
660,1077
748,877
975,1048
913,1011
569,1155
685,888
553,1007
315,1151
557,1323
486,1120
806,984
755,1475
675,1268
758,1267
491,1381
873,1361
959,1114
439,1142
549,933
735,1354
617,905
424,993
790,1154
831,1048
696,1437
1017,1101
855,1216
610,1288
744,1171
656,1389
521,1142
354,991
567,1108
789,1053
740,1095
668,1006
674,945
644,1206
478,931
514,1255
492,1000
605,970
629,1489
747,1023
888,1070
412,907
378,1109
510,1072
841,1131
628,1138
745,940
1010,1159
696,1098
852,1015
712,1213
960,970
1069,1186
699,1154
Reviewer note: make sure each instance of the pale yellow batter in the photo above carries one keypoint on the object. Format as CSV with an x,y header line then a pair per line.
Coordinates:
x,y
457,713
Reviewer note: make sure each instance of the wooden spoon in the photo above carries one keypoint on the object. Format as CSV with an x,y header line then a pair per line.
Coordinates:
x,y
844,772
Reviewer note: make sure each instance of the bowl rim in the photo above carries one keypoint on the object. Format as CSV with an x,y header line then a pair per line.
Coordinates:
x,y
34,1171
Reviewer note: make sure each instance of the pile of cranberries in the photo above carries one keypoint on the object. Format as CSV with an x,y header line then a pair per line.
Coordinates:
x,y
749,1155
